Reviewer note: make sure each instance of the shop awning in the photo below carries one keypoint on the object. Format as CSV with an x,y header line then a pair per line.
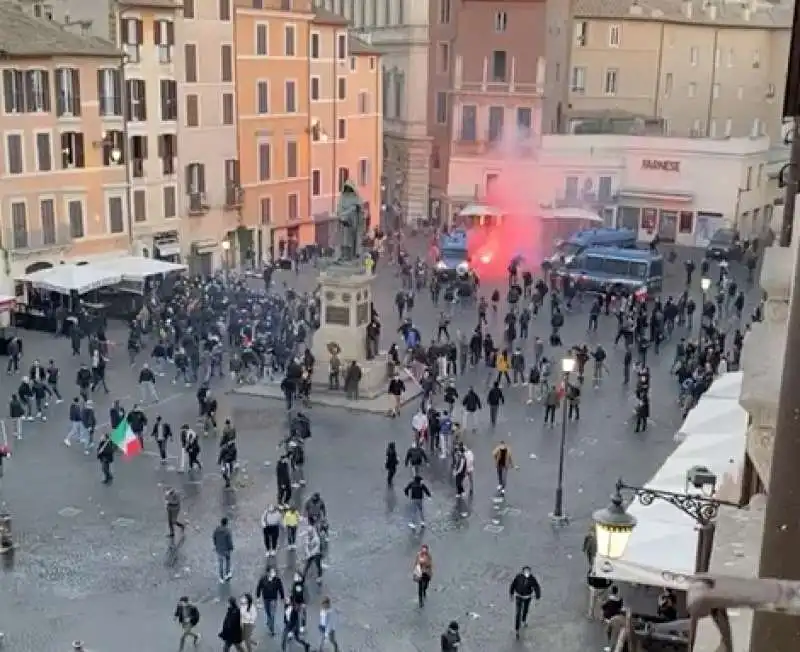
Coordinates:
x,y
73,278
7,302
643,194
136,268
662,548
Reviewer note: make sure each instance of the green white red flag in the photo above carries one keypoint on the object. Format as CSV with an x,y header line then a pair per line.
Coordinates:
x,y
125,439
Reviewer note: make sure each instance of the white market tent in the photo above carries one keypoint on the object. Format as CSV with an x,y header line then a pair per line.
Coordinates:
x,y
135,268
479,210
662,548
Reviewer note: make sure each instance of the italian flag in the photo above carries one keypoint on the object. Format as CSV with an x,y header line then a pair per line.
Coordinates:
x,y
125,440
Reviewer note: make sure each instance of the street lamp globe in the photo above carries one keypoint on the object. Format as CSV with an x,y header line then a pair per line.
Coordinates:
x,y
568,365
705,283
116,155
613,528
226,245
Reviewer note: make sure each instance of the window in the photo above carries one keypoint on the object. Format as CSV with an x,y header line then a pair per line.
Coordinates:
x,y
262,40
363,172
341,47
692,89
225,10
363,102
132,38
190,62
469,120
500,21
47,213
316,183
13,91
499,66
68,92
291,159
712,128
604,189
195,179
697,127
441,107
578,81
728,126
610,86
524,119
137,100
226,63
399,94
740,93
694,56
75,212
362,14
265,210
613,36
37,91
290,99
443,58
387,12
19,224
169,100
164,38
756,58
288,40
44,152
116,215
343,177
114,148
496,121
109,91
341,128
167,151
668,81
262,97
314,45
581,32
401,14
314,88
571,187
731,58
292,206
444,12
353,64
748,179
227,109
188,9
138,155
770,91
264,162
341,88
140,205
170,202
717,57
760,175
15,159
192,111
72,150
715,91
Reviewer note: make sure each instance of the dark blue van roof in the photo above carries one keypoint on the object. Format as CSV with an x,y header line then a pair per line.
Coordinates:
x,y
455,240
623,254
605,236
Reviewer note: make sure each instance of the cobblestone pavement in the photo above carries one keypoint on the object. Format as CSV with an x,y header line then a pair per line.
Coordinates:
x,y
93,562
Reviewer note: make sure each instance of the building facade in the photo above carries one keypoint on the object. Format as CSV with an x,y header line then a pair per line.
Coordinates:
x,y
708,69
63,181
653,185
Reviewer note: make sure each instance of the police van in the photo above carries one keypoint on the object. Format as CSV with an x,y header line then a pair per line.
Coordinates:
x,y
579,242
624,271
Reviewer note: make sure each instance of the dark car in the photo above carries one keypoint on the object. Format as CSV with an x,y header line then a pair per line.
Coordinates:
x,y
724,245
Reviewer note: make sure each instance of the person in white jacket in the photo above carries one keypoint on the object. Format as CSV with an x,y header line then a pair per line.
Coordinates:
x,y
271,526
313,549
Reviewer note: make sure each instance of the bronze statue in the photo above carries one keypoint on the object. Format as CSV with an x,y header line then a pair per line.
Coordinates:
x,y
350,211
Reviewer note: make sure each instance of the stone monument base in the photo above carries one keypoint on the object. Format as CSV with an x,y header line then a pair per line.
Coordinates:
x,y
374,381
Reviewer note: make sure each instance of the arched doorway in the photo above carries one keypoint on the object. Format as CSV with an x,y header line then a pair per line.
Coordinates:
x,y
36,267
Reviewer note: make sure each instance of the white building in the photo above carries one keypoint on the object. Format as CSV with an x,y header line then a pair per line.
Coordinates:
x,y
681,188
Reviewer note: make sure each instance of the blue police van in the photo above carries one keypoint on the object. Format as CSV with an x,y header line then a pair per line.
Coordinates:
x,y
624,271
453,254
579,242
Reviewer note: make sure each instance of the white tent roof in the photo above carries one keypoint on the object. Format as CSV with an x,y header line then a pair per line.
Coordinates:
x,y
137,268
478,210
73,278
718,411
571,213
726,386
662,548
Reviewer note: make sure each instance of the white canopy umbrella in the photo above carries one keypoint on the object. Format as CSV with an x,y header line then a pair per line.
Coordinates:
x,y
478,210
73,278
728,385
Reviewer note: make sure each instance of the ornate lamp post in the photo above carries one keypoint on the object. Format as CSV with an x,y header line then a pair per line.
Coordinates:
x,y
558,516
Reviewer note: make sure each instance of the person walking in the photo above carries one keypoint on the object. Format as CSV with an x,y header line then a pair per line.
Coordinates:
x,y
417,490
147,384
502,463
471,404
249,615
293,627
231,632
223,547
524,587
105,453
495,399
270,590
162,433
451,639
392,462
271,528
172,501
188,616
313,550
291,521
327,625
423,572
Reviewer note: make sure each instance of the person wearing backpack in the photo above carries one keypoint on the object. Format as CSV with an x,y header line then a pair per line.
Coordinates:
x,y
187,616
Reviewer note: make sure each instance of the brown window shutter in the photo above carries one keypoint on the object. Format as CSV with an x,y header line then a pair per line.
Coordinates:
x,y
139,32
157,32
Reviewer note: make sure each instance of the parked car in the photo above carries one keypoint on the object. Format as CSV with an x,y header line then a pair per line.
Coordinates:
x,y
725,245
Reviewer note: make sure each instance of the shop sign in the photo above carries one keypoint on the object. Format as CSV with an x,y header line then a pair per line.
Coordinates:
x,y
663,166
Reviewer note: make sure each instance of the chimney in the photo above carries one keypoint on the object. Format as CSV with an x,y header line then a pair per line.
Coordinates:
x,y
712,10
688,8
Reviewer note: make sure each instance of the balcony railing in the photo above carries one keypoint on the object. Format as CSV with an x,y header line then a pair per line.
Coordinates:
x,y
234,196
198,203
24,241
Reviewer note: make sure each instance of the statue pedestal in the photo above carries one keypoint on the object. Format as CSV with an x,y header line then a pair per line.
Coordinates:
x,y
346,296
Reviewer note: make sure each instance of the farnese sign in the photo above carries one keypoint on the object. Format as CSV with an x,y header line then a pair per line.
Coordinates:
x,y
663,166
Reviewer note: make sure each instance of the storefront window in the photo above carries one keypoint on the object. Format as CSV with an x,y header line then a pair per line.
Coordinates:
x,y
629,217
686,222
649,219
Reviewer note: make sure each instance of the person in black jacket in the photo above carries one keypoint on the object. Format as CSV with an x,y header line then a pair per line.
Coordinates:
x,y
188,616
269,590
495,399
137,420
392,462
89,423
471,403
147,384
231,632
75,422
292,619
162,433
524,587
116,414
417,490
105,453
227,459
52,381
16,411
451,639
83,379
416,458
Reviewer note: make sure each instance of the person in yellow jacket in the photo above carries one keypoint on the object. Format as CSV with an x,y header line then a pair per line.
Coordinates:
x,y
291,519
503,365
502,463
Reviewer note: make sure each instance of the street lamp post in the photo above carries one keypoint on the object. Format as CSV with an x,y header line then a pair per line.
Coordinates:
x,y
705,285
558,516
226,248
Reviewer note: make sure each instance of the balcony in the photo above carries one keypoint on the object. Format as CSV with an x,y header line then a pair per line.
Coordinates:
x,y
198,204
234,196
20,243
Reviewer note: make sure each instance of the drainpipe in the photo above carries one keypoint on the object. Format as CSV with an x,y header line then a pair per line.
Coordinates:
x,y
335,130
126,150
659,67
710,116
